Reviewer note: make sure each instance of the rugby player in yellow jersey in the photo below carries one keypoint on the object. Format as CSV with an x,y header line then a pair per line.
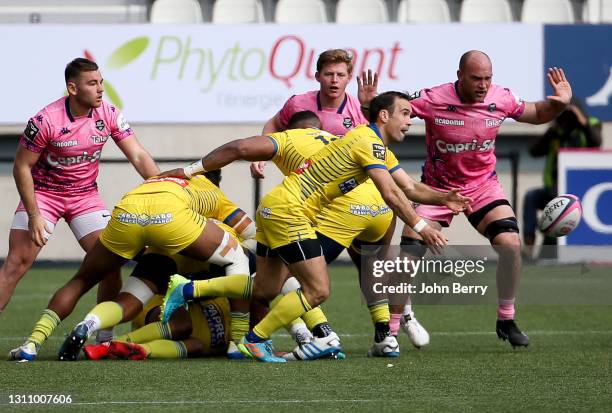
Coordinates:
x,y
202,330
360,217
167,213
286,215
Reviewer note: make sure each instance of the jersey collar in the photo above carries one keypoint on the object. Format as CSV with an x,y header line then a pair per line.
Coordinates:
x,y
376,130
66,103
457,92
340,109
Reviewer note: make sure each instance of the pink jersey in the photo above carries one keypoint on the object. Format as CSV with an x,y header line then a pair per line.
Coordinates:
x,y
460,137
336,121
71,147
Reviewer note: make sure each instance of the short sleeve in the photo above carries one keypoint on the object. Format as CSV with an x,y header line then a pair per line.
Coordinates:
x,y
36,134
120,128
287,111
279,139
420,102
516,105
392,162
226,209
369,153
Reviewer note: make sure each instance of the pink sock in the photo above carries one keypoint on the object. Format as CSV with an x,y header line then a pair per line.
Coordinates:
x,y
394,323
505,309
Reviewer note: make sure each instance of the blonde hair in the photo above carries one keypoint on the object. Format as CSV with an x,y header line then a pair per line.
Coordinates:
x,y
333,56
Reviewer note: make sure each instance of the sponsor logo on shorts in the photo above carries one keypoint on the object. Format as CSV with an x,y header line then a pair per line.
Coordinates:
x,y
449,122
493,123
215,324
143,219
99,139
265,212
63,144
368,210
100,125
59,161
445,147
348,185
379,151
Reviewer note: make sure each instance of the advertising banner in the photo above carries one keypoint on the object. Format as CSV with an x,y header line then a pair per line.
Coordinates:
x,y
243,73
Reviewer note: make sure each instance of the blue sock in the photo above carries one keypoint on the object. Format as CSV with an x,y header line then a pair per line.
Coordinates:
x,y
254,338
188,291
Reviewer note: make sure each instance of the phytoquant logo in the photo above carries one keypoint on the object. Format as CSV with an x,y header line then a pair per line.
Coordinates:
x,y
121,57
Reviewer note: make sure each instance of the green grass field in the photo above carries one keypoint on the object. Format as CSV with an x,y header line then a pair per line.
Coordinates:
x,y
567,367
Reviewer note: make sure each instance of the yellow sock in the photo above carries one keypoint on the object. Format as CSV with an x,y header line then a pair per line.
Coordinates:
x,y
44,327
288,308
109,314
239,325
166,349
314,317
380,312
231,286
292,323
146,333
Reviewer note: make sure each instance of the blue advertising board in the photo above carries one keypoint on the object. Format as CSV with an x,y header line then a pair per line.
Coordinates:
x,y
588,175
585,53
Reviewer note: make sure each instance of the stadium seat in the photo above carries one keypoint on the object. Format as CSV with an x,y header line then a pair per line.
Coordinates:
x,y
176,11
547,11
423,11
485,11
361,11
73,11
300,11
597,11
237,11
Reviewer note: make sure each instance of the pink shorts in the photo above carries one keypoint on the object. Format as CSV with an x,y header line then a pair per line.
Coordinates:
x,y
84,213
481,195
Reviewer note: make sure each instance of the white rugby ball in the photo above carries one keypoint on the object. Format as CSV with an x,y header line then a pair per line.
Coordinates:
x,y
561,216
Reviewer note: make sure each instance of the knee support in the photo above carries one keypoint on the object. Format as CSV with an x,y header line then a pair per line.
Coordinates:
x,y
500,226
230,256
414,247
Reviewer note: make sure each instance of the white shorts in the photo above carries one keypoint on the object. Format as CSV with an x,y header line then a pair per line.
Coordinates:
x,y
80,225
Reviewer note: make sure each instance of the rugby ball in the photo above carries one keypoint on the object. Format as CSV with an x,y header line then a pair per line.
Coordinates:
x,y
561,216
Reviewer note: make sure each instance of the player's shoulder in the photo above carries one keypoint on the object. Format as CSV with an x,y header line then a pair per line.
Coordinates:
x,y
503,95
308,97
108,109
53,112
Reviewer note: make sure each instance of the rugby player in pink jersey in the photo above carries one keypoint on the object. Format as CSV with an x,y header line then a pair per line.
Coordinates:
x,y
462,120
338,111
55,171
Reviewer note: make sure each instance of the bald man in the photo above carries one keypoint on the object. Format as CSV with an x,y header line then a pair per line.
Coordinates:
x,y
462,121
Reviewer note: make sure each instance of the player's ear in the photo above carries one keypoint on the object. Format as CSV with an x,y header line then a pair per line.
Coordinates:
x,y
383,115
71,86
317,75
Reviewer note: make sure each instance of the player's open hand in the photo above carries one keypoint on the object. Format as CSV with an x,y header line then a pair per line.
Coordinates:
x,y
562,91
367,86
37,228
457,202
434,239
257,169
175,173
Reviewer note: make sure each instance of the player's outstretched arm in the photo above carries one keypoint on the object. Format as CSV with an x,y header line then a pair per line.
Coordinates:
x,y
397,201
545,111
138,156
22,172
255,148
424,194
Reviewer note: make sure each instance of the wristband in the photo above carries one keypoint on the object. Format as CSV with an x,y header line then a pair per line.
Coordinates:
x,y
194,169
418,227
